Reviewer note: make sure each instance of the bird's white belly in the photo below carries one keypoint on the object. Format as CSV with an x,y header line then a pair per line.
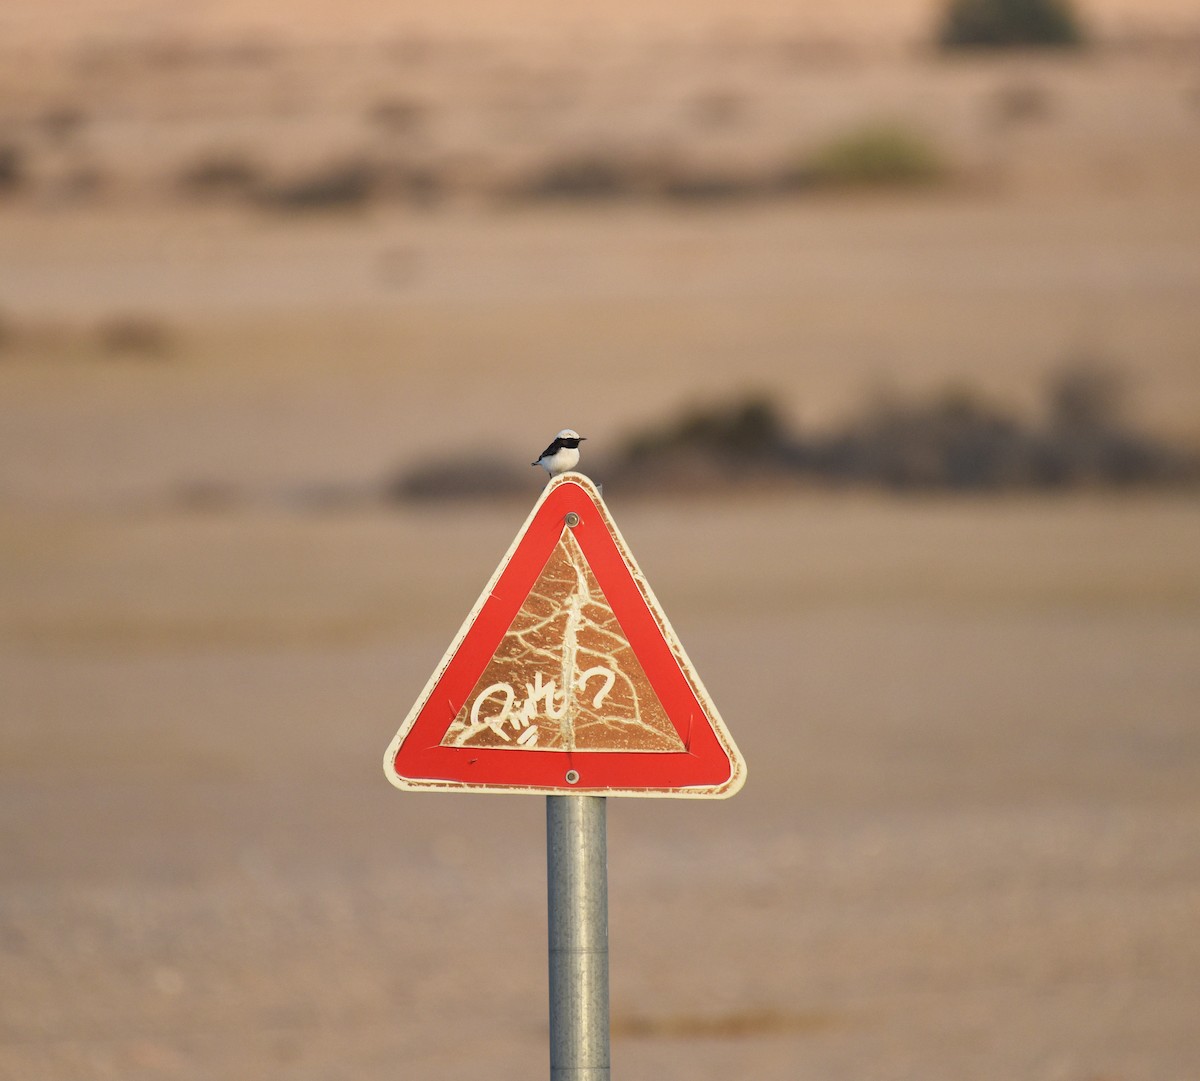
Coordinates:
x,y
565,459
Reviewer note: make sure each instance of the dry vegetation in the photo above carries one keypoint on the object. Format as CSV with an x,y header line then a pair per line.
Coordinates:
x,y
420,121
116,336
955,441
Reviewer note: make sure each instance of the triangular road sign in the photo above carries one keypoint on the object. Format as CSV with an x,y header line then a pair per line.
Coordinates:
x,y
567,677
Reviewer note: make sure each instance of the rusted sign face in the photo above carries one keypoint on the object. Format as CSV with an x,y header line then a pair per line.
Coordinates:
x,y
564,677
567,677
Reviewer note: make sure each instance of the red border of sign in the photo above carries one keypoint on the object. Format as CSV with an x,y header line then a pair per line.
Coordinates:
x,y
709,766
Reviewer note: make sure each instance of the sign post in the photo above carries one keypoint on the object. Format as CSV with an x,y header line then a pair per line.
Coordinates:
x,y
568,681
577,921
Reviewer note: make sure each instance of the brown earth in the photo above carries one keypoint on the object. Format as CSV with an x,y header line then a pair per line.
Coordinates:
x,y
967,845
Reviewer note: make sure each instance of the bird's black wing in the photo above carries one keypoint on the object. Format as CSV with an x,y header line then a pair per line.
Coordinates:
x,y
554,448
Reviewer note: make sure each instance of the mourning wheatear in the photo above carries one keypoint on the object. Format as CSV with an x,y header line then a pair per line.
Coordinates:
x,y
562,454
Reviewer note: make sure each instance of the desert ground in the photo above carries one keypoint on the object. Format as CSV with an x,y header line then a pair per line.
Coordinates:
x,y
969,843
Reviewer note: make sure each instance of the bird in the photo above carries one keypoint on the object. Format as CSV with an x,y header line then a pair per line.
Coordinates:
x,y
562,454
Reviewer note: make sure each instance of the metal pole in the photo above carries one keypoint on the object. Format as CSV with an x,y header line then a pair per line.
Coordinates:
x,y
577,909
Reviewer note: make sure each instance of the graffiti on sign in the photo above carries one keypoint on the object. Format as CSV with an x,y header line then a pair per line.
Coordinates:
x,y
564,676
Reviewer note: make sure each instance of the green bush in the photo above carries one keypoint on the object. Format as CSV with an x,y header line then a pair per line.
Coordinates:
x,y
997,24
876,155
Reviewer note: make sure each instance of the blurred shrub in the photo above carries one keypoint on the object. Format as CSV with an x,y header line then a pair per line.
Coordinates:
x,y
339,186
135,336
63,123
399,116
1086,440
875,155
220,174
419,185
587,175
958,441
718,110
611,175
954,440
12,167
749,428
707,446
1020,102
1084,398
469,477
1008,23
696,185
343,184
83,181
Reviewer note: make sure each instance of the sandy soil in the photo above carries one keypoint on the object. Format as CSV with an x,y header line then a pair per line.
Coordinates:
x,y
969,845
515,325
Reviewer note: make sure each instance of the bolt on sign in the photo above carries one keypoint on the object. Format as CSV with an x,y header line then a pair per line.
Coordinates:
x,y
567,677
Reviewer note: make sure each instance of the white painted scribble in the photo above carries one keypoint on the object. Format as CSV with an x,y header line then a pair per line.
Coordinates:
x,y
539,701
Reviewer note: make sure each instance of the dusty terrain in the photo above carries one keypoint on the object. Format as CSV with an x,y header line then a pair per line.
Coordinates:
x,y
969,845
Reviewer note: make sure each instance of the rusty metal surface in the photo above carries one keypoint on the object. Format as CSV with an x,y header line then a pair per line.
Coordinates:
x,y
598,698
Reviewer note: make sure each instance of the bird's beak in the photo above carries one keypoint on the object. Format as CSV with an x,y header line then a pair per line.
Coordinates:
x,y
583,438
